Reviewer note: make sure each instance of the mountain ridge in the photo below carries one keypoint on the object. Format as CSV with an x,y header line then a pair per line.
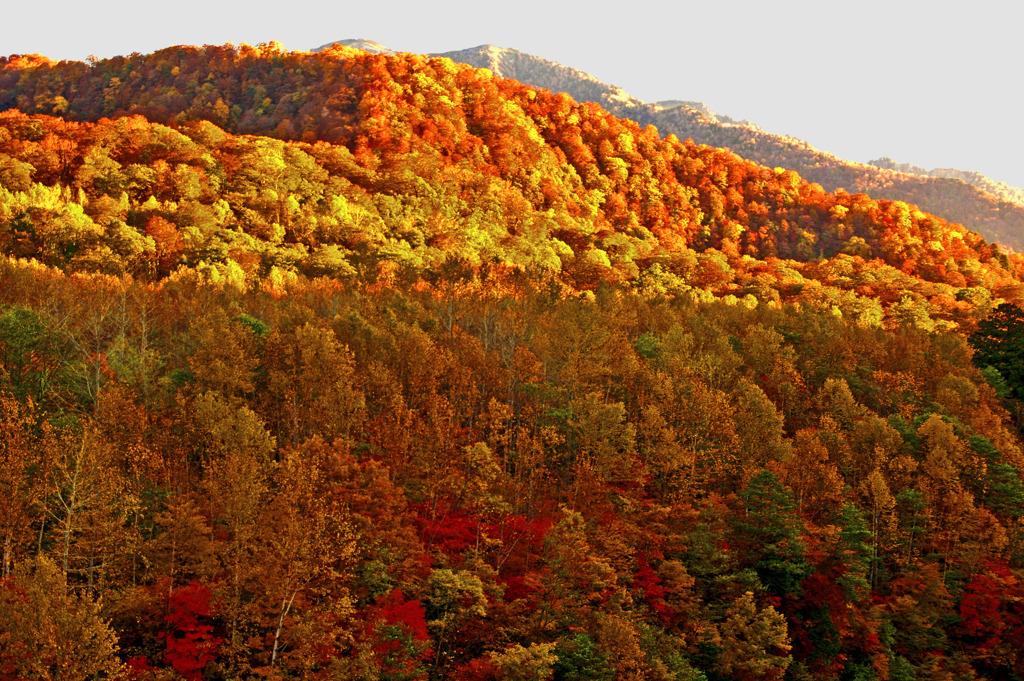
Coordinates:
x,y
427,159
1006,192
364,44
992,208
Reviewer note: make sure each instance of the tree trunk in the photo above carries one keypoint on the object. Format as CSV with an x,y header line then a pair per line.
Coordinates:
x,y
286,606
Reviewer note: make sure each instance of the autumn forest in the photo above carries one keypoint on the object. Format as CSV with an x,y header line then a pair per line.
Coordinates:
x,y
338,365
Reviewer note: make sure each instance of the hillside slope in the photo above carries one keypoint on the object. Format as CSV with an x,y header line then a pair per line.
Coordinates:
x,y
990,208
1004,191
412,160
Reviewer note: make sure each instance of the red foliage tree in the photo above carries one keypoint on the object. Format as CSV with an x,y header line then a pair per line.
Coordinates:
x,y
190,641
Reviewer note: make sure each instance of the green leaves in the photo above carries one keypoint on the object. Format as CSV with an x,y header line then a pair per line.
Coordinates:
x,y
999,343
580,660
770,532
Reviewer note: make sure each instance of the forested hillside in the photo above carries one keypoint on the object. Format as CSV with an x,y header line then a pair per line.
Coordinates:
x,y
408,161
1002,190
340,365
991,208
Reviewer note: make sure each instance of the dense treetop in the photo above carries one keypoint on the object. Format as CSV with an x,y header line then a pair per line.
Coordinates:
x,y
409,160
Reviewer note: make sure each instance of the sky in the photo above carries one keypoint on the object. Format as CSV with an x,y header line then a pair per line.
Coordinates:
x,y
933,84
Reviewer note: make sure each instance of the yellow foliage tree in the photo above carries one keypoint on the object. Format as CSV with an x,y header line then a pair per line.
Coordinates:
x,y
49,633
755,642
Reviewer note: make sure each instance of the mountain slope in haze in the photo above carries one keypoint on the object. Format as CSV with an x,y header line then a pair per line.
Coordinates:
x,y
968,198
1004,191
540,72
371,46
703,108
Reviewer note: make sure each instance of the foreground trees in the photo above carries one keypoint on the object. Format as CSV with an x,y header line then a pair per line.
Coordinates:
x,y
332,479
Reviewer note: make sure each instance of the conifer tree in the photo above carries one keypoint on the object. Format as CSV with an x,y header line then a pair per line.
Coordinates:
x,y
771,534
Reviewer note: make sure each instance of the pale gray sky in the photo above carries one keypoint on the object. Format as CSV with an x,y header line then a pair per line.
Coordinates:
x,y
934,84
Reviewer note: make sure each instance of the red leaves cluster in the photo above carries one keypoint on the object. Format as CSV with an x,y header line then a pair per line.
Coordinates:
x,y
397,630
992,609
190,641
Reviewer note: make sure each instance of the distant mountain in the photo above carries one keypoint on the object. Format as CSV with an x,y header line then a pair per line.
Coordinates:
x,y
704,109
1004,191
370,46
993,209
540,72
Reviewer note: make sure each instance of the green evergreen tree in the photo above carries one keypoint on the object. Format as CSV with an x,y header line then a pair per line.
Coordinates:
x,y
999,343
910,509
579,660
769,528
855,552
1004,493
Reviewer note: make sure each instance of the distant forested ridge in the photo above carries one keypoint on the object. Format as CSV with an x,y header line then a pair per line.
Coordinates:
x,y
993,209
407,160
